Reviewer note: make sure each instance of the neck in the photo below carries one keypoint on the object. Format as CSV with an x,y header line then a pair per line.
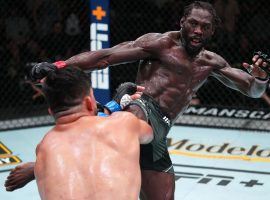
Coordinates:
x,y
181,39
71,115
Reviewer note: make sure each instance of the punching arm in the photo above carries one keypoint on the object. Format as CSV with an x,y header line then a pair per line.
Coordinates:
x,y
147,46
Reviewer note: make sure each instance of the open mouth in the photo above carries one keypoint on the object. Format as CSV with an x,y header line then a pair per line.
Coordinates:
x,y
196,41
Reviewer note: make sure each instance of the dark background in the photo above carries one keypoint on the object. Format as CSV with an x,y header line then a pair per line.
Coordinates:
x,y
51,30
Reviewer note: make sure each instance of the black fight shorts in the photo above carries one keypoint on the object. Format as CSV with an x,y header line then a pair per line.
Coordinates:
x,y
155,156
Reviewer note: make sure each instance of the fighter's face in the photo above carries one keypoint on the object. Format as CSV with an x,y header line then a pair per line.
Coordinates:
x,y
197,29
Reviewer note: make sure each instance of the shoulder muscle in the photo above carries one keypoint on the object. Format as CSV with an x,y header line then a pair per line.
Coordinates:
x,y
216,60
153,41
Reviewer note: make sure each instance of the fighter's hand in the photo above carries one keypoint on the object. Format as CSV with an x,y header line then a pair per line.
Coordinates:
x,y
260,67
127,92
40,71
138,93
20,176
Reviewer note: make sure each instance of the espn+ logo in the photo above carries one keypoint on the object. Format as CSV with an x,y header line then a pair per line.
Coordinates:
x,y
99,36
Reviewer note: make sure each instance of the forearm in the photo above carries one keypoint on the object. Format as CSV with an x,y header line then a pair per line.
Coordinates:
x,y
90,60
250,85
252,82
257,88
242,81
31,171
122,53
20,176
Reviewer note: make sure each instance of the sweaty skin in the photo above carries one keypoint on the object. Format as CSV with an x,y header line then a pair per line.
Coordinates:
x,y
169,72
173,66
90,157
20,176
24,173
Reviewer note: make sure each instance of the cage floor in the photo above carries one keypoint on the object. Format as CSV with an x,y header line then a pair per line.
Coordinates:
x,y
210,164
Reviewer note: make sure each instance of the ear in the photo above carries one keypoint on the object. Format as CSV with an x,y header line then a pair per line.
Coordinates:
x,y
182,20
89,103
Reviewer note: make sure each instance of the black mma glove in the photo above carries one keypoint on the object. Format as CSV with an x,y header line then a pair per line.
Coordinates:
x,y
125,88
266,59
41,70
118,102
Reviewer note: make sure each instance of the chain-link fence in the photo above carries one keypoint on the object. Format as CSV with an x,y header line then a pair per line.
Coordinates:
x,y
34,31
50,30
242,32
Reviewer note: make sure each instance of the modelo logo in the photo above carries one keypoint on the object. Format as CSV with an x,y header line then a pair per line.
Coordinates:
x,y
99,35
222,151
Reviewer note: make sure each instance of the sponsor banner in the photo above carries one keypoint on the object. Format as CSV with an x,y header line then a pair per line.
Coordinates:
x,y
6,157
228,112
219,144
99,39
220,150
220,164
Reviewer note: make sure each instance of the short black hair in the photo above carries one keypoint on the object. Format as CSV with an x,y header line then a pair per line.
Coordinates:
x,y
205,6
66,88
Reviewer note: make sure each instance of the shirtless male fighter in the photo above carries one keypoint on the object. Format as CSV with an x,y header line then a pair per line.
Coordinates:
x,y
85,156
126,92
173,66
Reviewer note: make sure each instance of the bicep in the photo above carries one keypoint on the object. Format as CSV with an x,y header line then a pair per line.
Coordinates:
x,y
147,46
142,48
126,53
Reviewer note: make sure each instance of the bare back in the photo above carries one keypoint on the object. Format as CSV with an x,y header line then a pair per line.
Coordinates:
x,y
92,158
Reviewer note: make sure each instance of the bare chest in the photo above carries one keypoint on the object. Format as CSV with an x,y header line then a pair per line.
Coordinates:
x,y
191,70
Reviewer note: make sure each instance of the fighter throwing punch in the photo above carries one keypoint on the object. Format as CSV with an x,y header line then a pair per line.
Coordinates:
x,y
173,66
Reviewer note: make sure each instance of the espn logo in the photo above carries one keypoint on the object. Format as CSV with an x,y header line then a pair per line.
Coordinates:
x,y
99,36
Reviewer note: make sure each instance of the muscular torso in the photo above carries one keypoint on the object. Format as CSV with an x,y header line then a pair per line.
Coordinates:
x,y
172,77
89,159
